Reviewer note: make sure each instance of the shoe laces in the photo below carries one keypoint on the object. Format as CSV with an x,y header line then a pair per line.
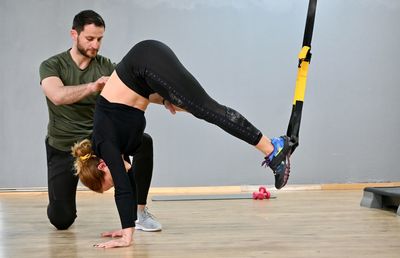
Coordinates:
x,y
146,214
266,162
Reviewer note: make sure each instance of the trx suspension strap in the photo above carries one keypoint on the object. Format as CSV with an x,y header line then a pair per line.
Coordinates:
x,y
304,61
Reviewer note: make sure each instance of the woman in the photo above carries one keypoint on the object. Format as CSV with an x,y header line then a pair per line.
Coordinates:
x,y
150,72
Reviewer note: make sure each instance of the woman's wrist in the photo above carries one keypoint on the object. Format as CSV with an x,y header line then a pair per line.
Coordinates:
x,y
127,233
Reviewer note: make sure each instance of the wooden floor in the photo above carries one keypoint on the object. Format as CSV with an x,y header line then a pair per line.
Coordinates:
x,y
295,224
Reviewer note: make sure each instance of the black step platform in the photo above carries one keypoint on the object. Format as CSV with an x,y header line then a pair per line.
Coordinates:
x,y
382,198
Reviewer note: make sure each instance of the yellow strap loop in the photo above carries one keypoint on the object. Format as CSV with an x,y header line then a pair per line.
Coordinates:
x,y
303,52
301,80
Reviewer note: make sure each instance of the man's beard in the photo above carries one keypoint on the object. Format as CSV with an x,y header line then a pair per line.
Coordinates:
x,y
85,52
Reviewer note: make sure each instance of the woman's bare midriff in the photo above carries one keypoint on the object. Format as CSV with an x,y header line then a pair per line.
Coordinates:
x,y
115,91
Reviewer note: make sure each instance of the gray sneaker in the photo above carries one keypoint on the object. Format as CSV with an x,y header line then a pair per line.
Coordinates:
x,y
147,222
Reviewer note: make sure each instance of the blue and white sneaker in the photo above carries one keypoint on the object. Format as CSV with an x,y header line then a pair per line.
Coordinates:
x,y
279,161
147,222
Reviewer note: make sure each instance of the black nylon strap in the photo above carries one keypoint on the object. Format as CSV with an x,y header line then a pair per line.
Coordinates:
x,y
295,117
312,7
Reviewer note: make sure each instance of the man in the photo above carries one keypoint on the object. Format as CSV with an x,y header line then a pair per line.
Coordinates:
x,y
71,82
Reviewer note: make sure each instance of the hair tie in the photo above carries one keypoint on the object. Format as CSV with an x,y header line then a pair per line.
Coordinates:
x,y
85,157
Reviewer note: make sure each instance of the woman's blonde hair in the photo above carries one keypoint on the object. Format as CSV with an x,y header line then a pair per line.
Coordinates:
x,y
86,166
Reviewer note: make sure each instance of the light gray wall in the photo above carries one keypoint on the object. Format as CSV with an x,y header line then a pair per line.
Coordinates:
x,y
244,53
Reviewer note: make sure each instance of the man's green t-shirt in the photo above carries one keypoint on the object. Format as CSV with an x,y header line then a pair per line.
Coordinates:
x,y
73,122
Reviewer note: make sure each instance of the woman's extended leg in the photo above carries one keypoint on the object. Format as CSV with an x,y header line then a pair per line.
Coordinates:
x,y
156,65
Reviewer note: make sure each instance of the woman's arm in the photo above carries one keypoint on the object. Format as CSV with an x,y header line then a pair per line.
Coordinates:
x,y
124,196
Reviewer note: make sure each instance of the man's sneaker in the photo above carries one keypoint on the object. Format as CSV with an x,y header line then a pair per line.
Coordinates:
x,y
279,161
147,222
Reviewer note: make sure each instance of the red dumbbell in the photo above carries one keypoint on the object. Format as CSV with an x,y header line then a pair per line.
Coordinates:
x,y
266,193
258,196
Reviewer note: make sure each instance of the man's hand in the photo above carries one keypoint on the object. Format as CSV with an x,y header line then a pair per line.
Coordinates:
x,y
99,84
169,106
172,108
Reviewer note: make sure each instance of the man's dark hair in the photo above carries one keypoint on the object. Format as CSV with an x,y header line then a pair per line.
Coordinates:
x,y
87,17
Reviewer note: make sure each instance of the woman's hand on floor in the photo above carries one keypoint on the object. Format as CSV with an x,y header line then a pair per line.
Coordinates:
x,y
125,238
120,242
